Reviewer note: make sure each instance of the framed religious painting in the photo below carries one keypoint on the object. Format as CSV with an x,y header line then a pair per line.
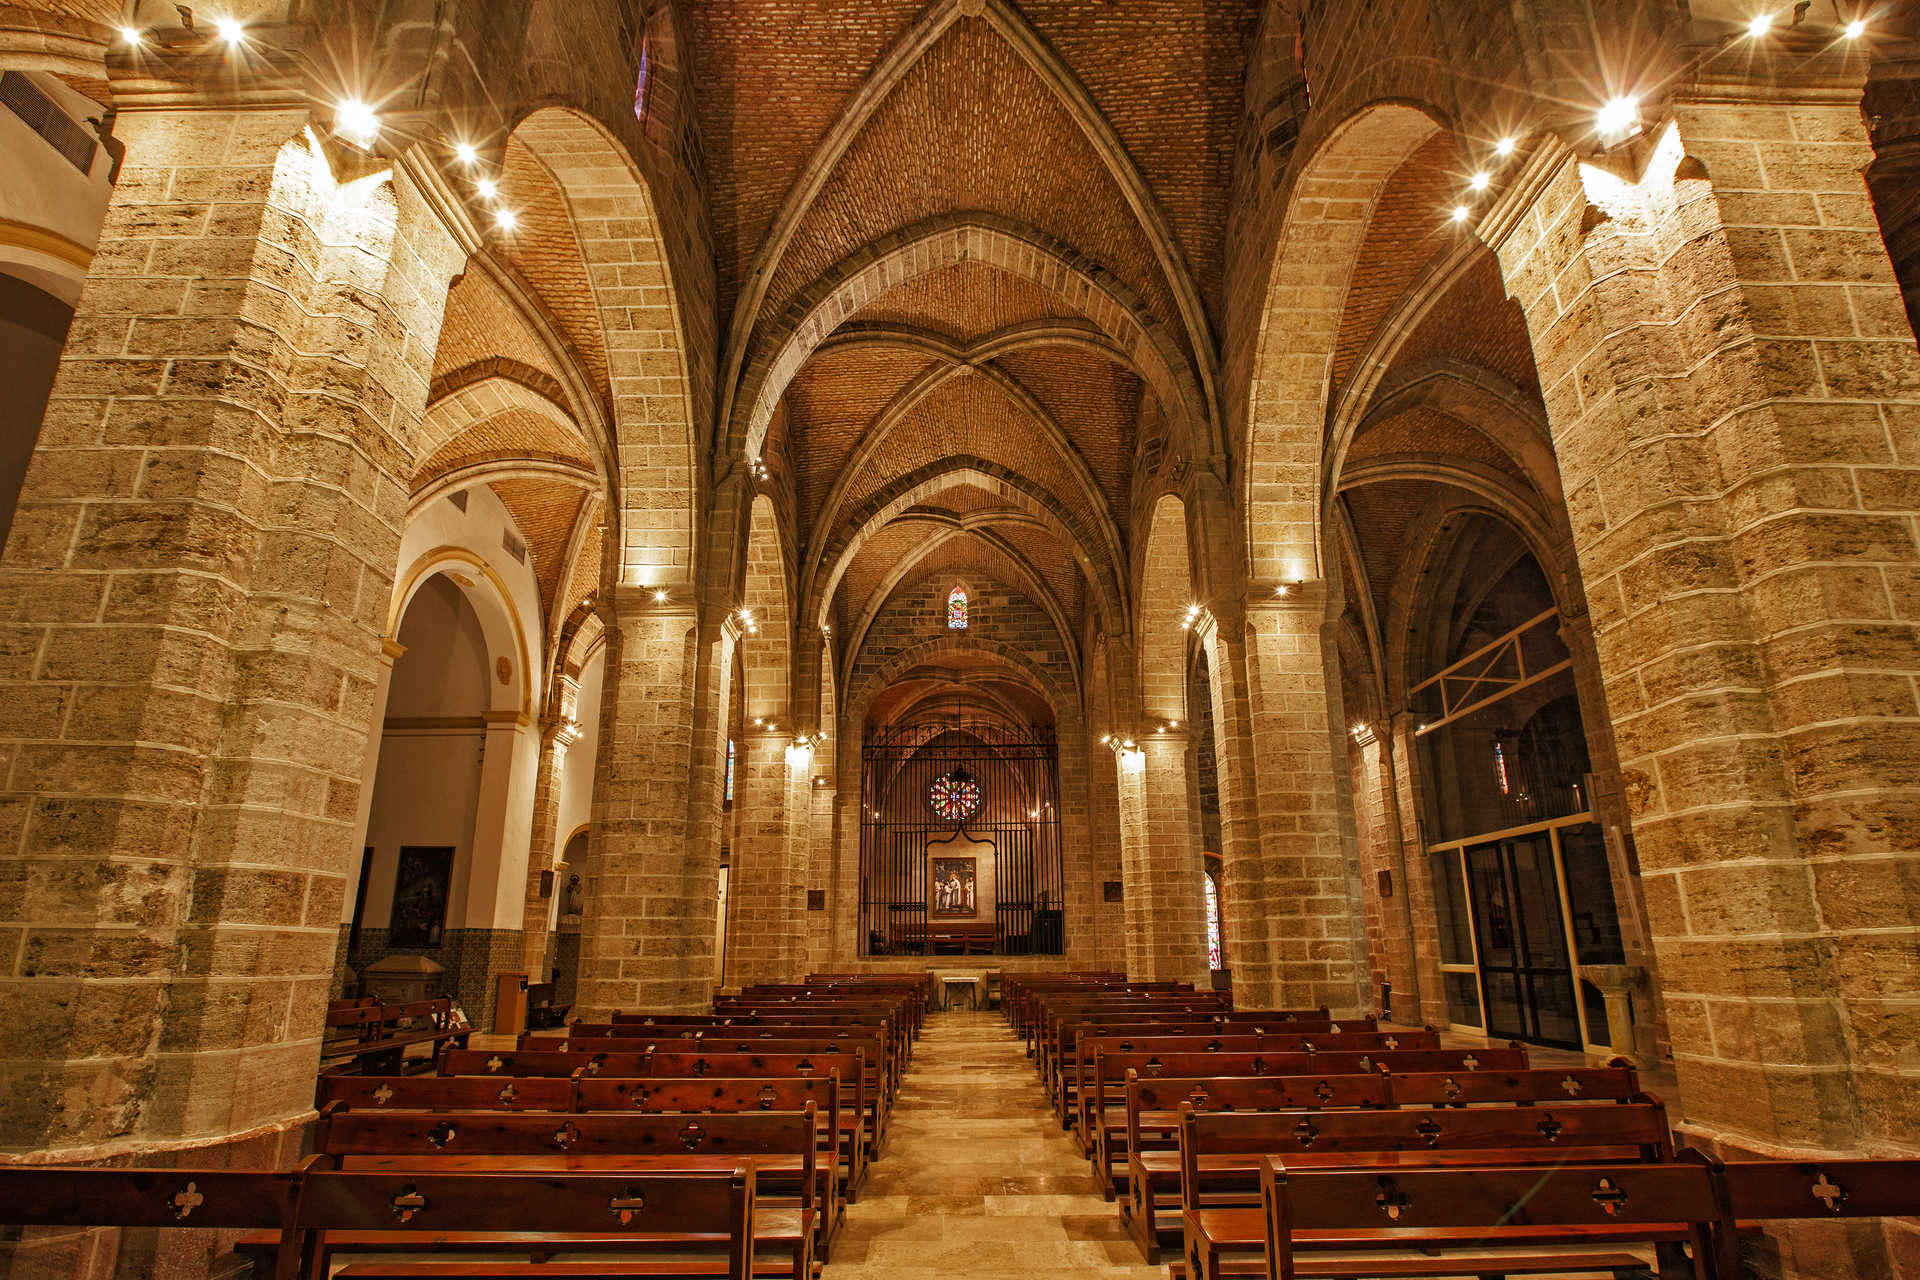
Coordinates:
x,y
955,886
420,885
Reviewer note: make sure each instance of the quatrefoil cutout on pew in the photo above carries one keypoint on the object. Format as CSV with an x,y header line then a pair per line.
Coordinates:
x,y
441,1134
766,1097
566,1135
1572,1086
1608,1195
1392,1201
408,1203
625,1207
692,1135
494,1064
508,1094
1305,1132
640,1097
1828,1192
1550,1129
1429,1130
185,1201
1323,1091
384,1094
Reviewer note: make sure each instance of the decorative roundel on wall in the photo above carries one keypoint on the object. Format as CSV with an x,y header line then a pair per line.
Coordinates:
x,y
953,797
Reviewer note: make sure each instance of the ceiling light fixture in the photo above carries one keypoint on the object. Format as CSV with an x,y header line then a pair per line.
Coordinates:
x,y
1460,213
1758,25
504,219
1619,118
1504,147
131,35
487,188
231,30
1856,28
1480,181
465,153
358,121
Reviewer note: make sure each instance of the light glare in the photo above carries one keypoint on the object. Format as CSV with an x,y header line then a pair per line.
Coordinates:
x,y
1480,181
131,35
504,219
487,188
358,120
1460,213
230,30
1757,26
465,153
1856,28
1504,147
1619,116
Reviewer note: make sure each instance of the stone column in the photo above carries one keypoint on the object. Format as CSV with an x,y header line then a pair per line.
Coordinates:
x,y
1389,918
194,593
1423,904
489,941
648,925
1166,903
1291,915
1734,394
822,856
766,899
561,733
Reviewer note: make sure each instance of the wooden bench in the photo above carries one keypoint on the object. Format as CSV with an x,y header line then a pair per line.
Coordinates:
x,y
1148,1143
1490,1221
1090,1085
859,1076
707,1223
782,1146
529,1062
1220,1152
375,1038
1222,1022
542,1013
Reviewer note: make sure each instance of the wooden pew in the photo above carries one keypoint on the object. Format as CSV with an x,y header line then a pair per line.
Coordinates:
x,y
834,1041
1489,1221
530,1062
1149,1145
860,1077
1220,1152
1219,1022
1091,1083
782,1147
447,1093
375,1037
297,1214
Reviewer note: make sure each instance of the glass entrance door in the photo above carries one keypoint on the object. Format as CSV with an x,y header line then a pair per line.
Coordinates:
x,y
1520,936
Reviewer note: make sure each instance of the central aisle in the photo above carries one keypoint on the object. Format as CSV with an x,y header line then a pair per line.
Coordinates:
x,y
978,1178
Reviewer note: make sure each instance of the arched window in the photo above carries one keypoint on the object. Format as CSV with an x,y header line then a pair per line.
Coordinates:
x,y
1213,923
729,783
957,609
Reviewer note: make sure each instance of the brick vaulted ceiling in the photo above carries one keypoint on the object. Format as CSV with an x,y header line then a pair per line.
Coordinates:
x,y
1104,135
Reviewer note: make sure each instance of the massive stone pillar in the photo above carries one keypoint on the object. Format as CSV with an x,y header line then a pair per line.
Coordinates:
x,y
1290,910
561,731
647,931
1166,906
1385,883
1734,394
821,858
766,896
194,594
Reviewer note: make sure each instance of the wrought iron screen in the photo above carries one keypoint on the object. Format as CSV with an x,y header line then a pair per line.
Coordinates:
x,y
934,790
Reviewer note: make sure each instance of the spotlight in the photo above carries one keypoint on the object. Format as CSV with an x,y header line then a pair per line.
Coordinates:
x,y
465,153
487,188
131,35
504,219
358,121
1758,25
231,30
659,597
1504,147
1619,117
1856,28
1460,212
1480,181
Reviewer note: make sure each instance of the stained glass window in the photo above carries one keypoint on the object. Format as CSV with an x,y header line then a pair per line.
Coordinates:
x,y
1500,767
1213,923
954,796
957,609
729,770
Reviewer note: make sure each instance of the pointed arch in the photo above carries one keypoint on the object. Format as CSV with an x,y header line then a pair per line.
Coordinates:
x,y
1007,22
640,310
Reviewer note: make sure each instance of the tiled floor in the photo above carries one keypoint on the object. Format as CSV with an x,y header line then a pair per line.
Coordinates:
x,y
978,1180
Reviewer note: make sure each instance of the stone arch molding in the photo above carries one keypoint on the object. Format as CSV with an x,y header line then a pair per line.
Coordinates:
x,y
619,231
1065,701
1034,50
492,603
1113,309
1321,234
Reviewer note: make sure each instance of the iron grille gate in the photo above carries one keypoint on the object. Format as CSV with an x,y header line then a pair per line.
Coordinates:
x,y
901,833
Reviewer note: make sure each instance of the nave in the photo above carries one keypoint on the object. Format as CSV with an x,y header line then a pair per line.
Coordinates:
x,y
979,1180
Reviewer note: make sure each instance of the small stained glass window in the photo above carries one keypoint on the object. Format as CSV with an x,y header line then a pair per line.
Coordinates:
x,y
729,783
1213,923
957,609
1500,768
954,796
